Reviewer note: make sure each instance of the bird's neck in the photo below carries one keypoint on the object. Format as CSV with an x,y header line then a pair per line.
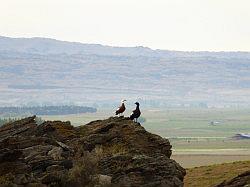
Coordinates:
x,y
137,107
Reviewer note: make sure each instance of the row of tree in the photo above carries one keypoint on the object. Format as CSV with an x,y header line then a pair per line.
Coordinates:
x,y
46,110
6,120
3,121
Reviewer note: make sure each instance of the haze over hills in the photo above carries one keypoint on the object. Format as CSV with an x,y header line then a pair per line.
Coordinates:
x,y
37,71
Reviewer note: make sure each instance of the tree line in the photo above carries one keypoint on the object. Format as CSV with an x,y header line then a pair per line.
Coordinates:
x,y
3,121
6,120
46,110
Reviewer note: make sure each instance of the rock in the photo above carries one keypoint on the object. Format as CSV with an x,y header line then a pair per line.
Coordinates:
x,y
21,127
31,152
64,146
7,155
22,142
56,153
21,179
143,170
40,163
52,178
115,151
242,180
104,180
122,130
14,167
61,131
35,185
54,168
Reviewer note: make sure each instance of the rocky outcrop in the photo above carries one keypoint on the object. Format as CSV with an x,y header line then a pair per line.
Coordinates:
x,y
242,180
114,152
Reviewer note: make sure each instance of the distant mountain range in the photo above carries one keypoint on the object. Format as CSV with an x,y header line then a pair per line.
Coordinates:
x,y
41,71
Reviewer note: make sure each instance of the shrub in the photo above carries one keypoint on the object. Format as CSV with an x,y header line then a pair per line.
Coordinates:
x,y
83,172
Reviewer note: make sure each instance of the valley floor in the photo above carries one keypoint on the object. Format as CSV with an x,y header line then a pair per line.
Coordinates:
x,y
189,158
197,160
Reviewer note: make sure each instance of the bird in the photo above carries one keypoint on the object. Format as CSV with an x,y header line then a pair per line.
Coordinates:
x,y
121,108
136,113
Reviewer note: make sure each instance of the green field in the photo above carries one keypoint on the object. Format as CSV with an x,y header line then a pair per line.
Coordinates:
x,y
196,122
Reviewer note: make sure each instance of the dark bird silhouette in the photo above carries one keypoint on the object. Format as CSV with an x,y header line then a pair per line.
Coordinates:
x,y
121,109
136,113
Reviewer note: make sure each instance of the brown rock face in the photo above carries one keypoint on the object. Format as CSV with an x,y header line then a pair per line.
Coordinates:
x,y
134,138
113,152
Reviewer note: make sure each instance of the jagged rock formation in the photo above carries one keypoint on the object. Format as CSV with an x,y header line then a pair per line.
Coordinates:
x,y
242,180
112,152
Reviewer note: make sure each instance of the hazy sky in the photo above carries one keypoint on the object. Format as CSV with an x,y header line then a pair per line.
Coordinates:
x,y
213,25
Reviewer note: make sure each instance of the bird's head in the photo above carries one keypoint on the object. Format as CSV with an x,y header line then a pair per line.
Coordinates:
x,y
122,101
137,103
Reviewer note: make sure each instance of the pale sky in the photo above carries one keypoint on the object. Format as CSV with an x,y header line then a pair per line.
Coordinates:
x,y
211,25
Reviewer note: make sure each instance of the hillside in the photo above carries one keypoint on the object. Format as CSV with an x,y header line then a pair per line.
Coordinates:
x,y
223,174
39,69
111,152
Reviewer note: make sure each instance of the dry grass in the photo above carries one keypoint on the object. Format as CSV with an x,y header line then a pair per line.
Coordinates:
x,y
6,179
66,130
84,172
207,176
110,150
